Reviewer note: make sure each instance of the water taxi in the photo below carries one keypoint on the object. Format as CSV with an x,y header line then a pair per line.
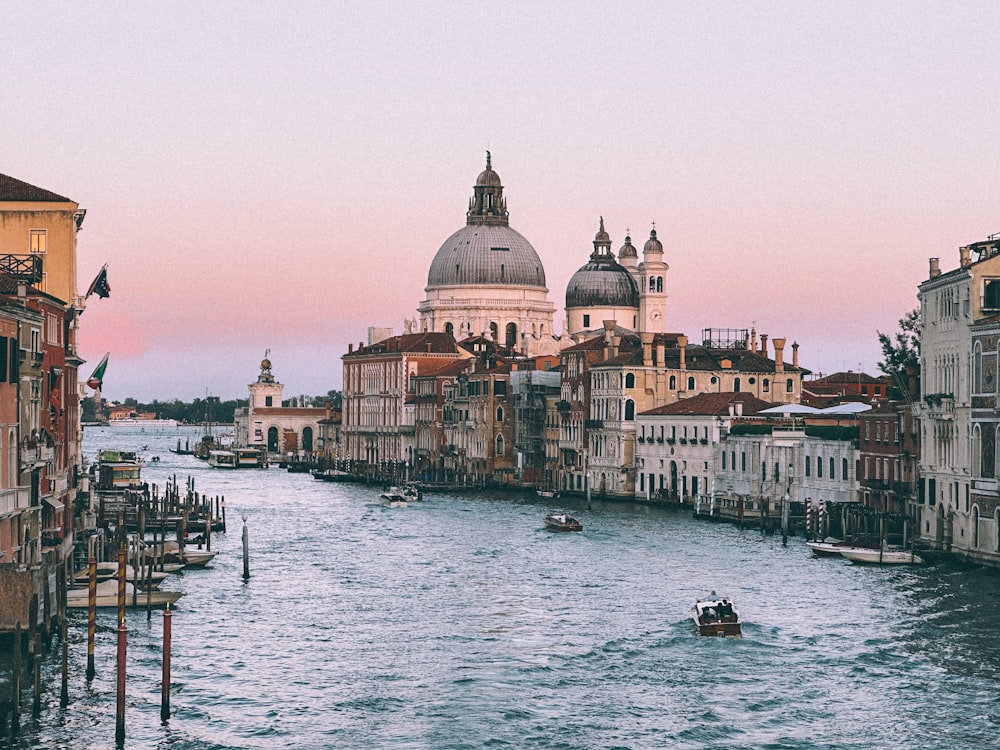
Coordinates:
x,y
714,615
562,522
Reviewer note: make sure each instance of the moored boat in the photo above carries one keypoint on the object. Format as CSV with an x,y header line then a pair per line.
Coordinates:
x,y
881,556
714,615
170,552
107,596
222,459
547,493
562,522
393,498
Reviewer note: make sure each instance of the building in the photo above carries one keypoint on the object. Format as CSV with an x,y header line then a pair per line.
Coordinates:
x,y
282,430
487,279
40,461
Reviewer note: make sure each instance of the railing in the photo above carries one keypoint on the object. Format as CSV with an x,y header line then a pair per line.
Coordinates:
x,y
22,267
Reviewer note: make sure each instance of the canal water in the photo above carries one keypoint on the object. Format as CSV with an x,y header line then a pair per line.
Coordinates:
x,y
459,622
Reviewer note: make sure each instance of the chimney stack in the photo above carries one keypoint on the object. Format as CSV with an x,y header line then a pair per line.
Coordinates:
x,y
763,344
753,340
779,355
964,256
795,354
647,349
935,264
682,342
661,354
609,327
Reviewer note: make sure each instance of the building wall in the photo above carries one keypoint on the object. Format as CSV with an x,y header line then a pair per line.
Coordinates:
x,y
18,219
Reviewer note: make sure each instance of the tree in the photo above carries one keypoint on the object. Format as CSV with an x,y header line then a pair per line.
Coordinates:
x,y
901,353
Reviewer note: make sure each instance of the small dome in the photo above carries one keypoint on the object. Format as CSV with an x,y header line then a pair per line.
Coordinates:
x,y
602,283
628,250
488,178
265,364
652,245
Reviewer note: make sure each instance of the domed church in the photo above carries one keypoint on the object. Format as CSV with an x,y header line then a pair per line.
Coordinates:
x,y
488,280
602,289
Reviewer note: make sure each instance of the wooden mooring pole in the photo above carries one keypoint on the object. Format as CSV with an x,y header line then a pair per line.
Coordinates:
x,y
246,550
15,682
165,681
91,614
63,641
120,707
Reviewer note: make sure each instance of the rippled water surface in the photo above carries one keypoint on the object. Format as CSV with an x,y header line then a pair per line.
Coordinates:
x,y
459,622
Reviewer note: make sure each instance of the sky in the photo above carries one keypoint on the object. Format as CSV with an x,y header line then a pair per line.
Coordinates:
x,y
278,176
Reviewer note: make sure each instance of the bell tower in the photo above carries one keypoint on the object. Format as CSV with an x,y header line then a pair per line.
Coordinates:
x,y
653,286
267,391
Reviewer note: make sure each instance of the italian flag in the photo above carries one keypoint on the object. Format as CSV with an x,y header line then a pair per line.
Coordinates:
x,y
96,380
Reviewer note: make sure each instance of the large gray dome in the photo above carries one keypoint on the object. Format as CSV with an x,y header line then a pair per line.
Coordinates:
x,y
602,283
484,254
487,251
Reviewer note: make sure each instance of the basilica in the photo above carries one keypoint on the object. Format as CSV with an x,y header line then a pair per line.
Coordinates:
x,y
483,387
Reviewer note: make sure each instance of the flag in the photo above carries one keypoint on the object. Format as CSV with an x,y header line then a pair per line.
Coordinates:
x,y
100,285
96,380
55,395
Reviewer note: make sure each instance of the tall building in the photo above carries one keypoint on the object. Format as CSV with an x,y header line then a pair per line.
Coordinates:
x,y
487,279
602,289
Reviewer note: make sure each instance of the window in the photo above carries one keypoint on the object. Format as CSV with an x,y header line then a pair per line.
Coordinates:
x,y
691,383
499,445
586,321
736,384
763,472
808,465
743,461
268,400
843,469
630,380
819,467
38,241
723,460
499,414
789,386
659,283
672,385
629,410
766,385
832,473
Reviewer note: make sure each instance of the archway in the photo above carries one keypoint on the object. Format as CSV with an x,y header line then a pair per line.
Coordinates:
x,y
510,340
272,439
307,439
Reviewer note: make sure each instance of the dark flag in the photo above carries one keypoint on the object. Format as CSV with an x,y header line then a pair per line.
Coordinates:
x,y
99,286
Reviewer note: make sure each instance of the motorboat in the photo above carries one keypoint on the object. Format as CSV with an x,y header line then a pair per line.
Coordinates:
x,y
333,475
394,498
107,570
170,552
718,616
547,493
562,522
881,556
829,547
222,459
107,596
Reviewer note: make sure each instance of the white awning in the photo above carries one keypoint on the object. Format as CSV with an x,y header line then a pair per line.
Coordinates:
x,y
54,504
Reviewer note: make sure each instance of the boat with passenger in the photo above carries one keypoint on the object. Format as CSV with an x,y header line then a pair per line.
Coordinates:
x,y
394,498
718,616
562,522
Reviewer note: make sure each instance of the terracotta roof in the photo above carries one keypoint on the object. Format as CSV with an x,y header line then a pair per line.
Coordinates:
x,y
411,343
15,190
847,377
711,404
446,368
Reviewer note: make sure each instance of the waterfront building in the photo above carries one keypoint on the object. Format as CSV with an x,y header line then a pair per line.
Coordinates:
x,y
265,423
428,404
377,428
40,411
831,389
534,394
958,360
889,454
676,444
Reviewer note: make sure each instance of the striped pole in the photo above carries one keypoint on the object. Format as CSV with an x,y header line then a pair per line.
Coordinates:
x,y
91,614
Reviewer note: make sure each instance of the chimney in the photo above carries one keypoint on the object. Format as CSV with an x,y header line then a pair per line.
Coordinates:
x,y
609,327
935,264
682,342
661,354
763,344
329,410
964,257
350,348
739,408
779,355
647,349
616,342
753,340
795,354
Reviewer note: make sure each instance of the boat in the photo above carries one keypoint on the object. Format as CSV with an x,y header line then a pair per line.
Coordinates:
x,y
109,570
881,557
829,547
393,498
170,552
222,459
718,616
333,475
249,458
547,493
107,596
562,522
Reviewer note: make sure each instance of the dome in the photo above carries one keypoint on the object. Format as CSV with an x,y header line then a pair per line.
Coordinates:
x,y
628,249
486,254
602,283
652,245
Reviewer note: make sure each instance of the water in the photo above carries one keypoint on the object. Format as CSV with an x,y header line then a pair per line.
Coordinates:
x,y
459,622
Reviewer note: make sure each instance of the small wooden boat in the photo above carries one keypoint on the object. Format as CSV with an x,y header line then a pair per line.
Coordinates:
x,y
714,615
547,493
107,596
881,557
170,553
829,547
562,522
333,475
393,498
109,570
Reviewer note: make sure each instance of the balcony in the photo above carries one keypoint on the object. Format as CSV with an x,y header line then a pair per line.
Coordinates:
x,y
593,424
27,268
14,499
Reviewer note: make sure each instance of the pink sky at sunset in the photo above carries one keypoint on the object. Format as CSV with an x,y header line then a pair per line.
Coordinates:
x,y
280,175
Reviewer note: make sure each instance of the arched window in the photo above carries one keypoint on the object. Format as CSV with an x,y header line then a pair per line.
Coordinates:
x,y
652,283
659,283
272,439
449,328
629,410
766,385
673,383
736,384
499,414
630,380
307,439
789,386
499,445
691,383
511,336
